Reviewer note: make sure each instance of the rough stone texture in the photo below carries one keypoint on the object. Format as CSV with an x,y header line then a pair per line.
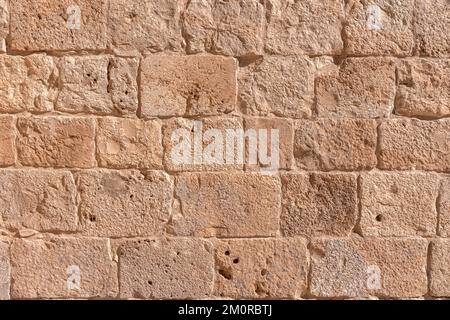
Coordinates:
x,y
424,88
129,143
226,205
358,88
281,86
56,142
443,207
5,271
319,204
304,27
4,24
399,204
30,280
27,83
261,268
379,27
123,203
359,267
7,141
415,144
43,200
335,144
187,85
51,25
166,269
440,268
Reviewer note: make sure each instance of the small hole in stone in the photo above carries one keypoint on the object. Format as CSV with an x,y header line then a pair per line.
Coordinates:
x,y
149,282
92,218
236,260
131,196
263,272
379,218
227,253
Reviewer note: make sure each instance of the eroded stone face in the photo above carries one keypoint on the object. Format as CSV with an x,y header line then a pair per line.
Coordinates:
x,y
443,207
4,24
5,271
439,268
7,141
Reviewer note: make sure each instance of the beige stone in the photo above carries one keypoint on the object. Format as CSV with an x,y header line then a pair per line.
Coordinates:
x,y
440,268
443,207
52,25
379,27
335,144
398,204
226,205
234,28
47,268
7,141
304,27
424,88
358,88
56,141
123,203
129,143
38,199
356,267
261,268
4,24
322,204
187,85
277,85
166,269
415,144
27,83
5,271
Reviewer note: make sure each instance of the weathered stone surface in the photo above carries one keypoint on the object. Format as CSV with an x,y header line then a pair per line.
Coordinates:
x,y
58,25
146,25
129,143
27,83
7,141
361,267
56,142
282,86
38,199
99,85
123,203
261,268
415,144
443,207
5,271
431,27
304,27
47,268
4,24
440,268
323,204
234,28
187,85
358,88
226,205
398,204
379,27
424,88
335,144
166,269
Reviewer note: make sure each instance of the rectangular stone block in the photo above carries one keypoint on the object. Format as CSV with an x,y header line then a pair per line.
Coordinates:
x,y
187,85
62,268
440,268
443,207
357,267
56,141
123,203
4,24
261,268
5,271
7,141
166,269
226,205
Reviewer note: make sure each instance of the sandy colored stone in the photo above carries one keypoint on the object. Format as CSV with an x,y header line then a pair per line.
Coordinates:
x,y
234,28
56,141
7,141
226,205
166,269
335,144
187,85
282,86
443,207
146,25
27,83
43,268
431,27
319,204
358,88
415,144
5,271
424,88
359,267
38,199
440,268
399,204
379,27
123,203
4,24
261,268
304,27
129,143
99,85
